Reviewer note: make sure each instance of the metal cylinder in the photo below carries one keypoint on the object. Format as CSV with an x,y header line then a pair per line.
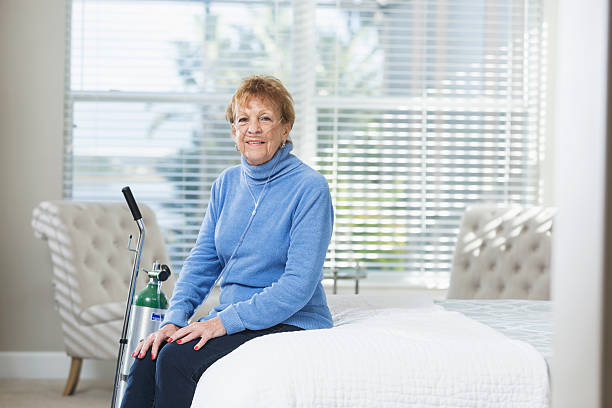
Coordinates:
x,y
147,315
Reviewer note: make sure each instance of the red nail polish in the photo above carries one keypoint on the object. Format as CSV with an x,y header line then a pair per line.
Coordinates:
x,y
152,357
133,354
196,348
140,355
178,341
170,340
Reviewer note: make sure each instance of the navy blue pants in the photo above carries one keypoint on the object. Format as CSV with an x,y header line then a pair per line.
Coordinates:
x,y
170,380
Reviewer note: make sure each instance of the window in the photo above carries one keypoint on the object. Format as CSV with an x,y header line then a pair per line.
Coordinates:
x,y
412,110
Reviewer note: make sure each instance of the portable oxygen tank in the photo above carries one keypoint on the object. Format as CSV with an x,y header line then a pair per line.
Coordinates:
x,y
147,315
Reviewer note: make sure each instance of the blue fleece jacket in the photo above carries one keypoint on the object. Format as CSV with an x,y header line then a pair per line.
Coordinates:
x,y
275,275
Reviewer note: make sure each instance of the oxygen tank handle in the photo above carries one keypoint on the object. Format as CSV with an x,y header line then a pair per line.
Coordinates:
x,y
127,193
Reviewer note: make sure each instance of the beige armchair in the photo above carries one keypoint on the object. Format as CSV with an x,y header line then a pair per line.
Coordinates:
x,y
503,253
91,272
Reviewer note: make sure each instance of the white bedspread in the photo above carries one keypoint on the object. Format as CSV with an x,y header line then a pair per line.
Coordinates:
x,y
422,356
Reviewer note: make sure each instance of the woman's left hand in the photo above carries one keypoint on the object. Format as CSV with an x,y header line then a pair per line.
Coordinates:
x,y
206,330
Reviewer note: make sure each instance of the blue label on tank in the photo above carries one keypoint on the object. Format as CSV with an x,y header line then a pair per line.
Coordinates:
x,y
157,316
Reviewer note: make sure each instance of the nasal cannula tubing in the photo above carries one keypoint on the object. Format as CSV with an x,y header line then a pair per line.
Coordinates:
x,y
227,268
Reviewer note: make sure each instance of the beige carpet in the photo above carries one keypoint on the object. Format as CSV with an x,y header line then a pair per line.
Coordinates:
x,y
48,394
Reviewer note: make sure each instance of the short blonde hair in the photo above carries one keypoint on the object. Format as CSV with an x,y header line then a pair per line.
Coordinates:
x,y
265,87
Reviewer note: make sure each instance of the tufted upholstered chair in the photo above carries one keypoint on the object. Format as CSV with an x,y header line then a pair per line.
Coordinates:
x,y
503,253
91,272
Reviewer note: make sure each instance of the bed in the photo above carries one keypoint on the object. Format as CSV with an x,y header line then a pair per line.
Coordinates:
x,y
385,351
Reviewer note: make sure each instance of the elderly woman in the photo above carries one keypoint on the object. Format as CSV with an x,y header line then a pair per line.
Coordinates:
x,y
265,235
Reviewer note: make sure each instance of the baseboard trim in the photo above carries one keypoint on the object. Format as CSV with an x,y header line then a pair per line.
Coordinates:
x,y
50,364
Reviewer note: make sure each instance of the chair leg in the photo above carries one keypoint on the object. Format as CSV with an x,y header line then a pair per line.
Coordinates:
x,y
73,376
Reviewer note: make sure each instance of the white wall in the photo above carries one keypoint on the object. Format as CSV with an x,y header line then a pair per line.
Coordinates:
x,y
582,68
31,126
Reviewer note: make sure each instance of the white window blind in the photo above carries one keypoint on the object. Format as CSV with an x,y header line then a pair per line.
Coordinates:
x,y
149,84
411,109
424,107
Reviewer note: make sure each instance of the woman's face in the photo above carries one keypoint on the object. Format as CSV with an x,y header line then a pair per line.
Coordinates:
x,y
258,130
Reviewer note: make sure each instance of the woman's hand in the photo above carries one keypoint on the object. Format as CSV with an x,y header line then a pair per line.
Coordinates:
x,y
206,330
154,341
